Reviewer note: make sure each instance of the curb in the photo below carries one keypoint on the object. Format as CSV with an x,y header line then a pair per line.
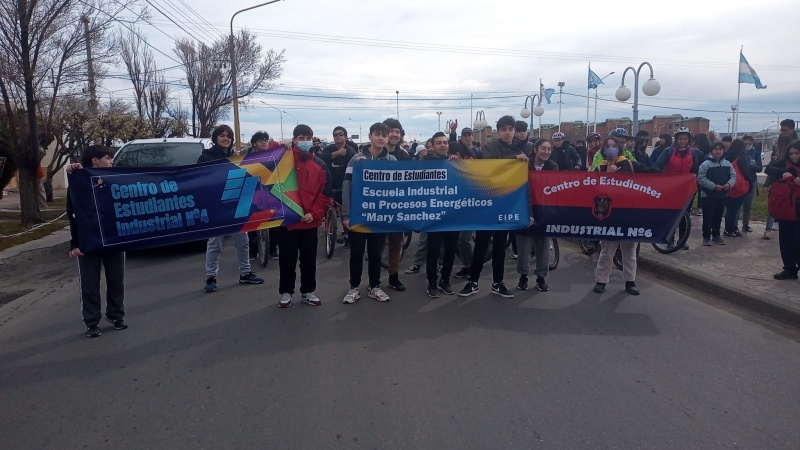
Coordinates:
x,y
719,290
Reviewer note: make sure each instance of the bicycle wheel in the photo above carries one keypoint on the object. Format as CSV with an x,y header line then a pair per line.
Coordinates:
x,y
407,239
618,256
263,247
588,247
678,244
330,232
555,254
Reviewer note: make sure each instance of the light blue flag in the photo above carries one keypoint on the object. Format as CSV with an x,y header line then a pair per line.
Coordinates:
x,y
747,74
548,93
594,80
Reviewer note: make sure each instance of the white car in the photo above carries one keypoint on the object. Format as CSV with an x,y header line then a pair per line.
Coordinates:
x,y
163,152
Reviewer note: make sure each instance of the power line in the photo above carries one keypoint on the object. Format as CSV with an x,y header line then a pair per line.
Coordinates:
x,y
171,20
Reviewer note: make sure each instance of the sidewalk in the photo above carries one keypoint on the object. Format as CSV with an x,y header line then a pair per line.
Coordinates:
x,y
739,272
10,202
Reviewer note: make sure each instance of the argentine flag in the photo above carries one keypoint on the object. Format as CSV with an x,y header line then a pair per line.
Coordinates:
x,y
594,80
747,74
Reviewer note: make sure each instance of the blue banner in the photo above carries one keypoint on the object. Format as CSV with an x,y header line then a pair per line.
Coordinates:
x,y
133,208
439,195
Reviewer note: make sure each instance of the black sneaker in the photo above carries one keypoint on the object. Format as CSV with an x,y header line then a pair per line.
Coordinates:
x,y
433,291
394,282
445,288
737,234
470,288
250,278
523,283
93,331
728,234
630,288
119,324
785,275
747,229
599,288
211,284
462,273
501,290
273,255
541,284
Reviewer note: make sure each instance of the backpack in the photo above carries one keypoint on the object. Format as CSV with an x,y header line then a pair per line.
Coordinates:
x,y
783,201
742,186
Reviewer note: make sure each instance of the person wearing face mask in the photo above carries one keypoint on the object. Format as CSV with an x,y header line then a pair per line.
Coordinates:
x,y
222,137
300,239
613,162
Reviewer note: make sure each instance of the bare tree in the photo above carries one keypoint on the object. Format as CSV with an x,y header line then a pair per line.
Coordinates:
x,y
209,77
140,64
35,37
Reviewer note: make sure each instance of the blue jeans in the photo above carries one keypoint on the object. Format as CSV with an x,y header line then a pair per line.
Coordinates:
x,y
733,206
770,223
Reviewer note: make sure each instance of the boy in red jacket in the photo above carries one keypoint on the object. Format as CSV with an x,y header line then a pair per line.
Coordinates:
x,y
300,239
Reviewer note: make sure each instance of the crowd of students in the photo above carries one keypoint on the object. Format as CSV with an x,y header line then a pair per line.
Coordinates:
x,y
327,173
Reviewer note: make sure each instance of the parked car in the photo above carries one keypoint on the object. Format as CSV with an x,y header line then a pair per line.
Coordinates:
x,y
164,152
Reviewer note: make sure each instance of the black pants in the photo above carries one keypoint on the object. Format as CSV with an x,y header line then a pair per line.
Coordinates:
x,y
498,254
435,241
89,272
713,208
374,245
273,240
789,243
291,244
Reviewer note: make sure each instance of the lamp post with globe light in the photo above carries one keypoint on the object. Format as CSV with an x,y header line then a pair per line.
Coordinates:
x,y
537,111
650,87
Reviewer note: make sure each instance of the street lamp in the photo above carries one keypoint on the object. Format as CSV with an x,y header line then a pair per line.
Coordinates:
x,y
234,92
480,123
729,125
537,111
650,88
398,104
779,118
594,123
360,138
560,89
439,113
279,112
296,121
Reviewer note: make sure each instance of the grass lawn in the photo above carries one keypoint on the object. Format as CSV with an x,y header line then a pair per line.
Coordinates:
x,y
759,211
10,225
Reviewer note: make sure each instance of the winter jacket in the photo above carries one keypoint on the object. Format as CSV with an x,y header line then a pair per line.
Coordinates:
x,y
337,165
548,165
715,172
497,149
314,188
566,157
754,154
214,153
348,178
624,165
664,157
460,148
400,153
642,157
655,155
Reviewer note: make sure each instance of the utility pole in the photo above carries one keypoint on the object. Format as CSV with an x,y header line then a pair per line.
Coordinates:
x,y
398,104
560,90
90,68
440,119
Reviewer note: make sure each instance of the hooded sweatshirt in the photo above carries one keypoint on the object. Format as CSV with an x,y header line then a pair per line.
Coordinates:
x,y
714,172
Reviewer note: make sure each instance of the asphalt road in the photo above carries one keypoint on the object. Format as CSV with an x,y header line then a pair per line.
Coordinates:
x,y
564,369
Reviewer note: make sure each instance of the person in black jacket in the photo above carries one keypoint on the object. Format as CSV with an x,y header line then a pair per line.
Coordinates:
x,y
540,160
715,178
737,154
222,137
563,154
89,264
336,156
787,170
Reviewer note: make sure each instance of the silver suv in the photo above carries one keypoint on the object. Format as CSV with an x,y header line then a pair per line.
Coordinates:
x,y
164,152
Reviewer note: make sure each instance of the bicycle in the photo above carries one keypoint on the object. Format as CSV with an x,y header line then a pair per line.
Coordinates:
x,y
330,227
589,247
677,244
262,241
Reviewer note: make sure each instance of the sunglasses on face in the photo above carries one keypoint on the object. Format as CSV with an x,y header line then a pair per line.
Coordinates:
x,y
340,134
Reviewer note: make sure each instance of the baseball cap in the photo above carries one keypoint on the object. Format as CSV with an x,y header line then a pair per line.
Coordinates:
x,y
466,130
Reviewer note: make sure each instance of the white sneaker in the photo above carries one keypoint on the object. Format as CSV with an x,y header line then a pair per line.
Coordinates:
x,y
285,301
378,294
311,299
352,295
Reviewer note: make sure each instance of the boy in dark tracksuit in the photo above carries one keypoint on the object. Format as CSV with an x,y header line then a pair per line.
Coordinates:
x,y
715,176
89,264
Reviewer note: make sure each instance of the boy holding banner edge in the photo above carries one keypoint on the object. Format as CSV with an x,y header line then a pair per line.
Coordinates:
x,y
378,137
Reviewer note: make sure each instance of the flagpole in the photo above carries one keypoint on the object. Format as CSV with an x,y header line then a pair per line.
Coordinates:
x,y
587,100
738,96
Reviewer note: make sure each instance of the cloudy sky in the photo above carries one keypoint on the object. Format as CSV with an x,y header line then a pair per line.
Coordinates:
x,y
346,59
